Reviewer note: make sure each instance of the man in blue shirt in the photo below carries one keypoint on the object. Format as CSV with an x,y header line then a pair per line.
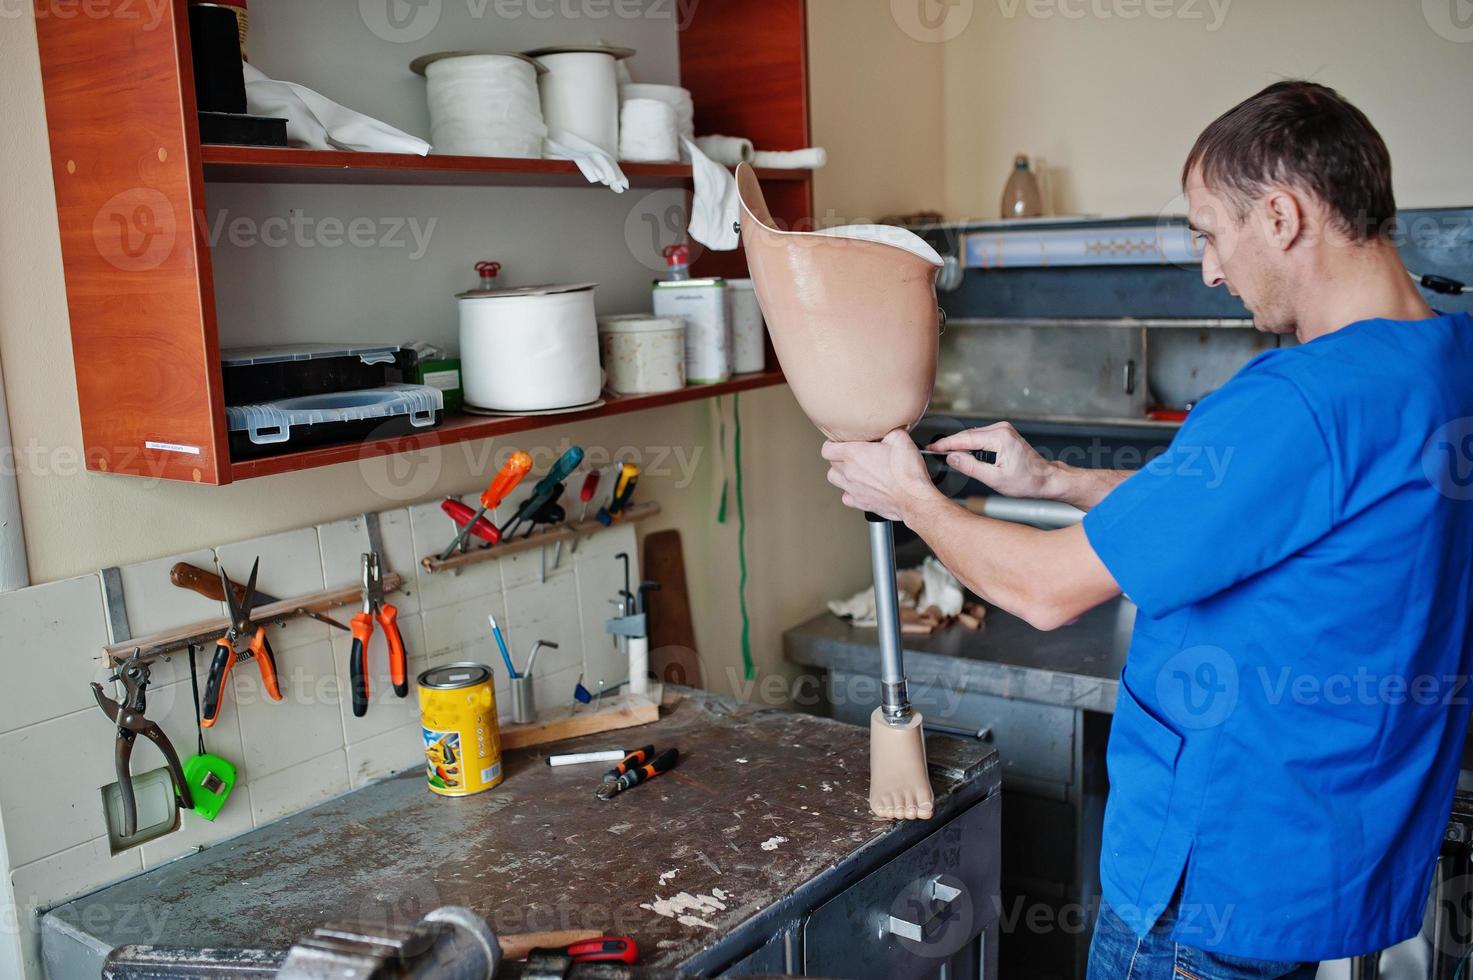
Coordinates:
x,y
1292,710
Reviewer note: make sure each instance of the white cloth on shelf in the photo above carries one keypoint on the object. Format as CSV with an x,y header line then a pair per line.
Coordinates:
x,y
318,123
726,150
812,158
713,207
648,132
595,164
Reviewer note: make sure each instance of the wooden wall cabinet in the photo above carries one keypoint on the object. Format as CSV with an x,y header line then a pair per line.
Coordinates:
x,y
130,175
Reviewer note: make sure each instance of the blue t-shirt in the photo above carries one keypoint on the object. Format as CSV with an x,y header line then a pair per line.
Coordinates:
x,y
1291,715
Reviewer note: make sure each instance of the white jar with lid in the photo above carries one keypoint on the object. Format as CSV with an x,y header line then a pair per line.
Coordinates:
x,y
642,354
748,345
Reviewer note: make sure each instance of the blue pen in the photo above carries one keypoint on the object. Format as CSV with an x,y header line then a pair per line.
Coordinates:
x,y
505,655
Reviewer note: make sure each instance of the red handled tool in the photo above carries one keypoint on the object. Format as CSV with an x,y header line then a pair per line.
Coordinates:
x,y
641,772
227,651
461,514
503,483
388,616
605,949
590,487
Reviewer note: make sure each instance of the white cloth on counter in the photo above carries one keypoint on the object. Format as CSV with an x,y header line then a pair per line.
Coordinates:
x,y
929,584
812,158
648,132
713,207
726,150
596,165
318,123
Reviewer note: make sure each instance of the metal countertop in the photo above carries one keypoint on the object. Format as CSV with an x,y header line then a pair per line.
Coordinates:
x,y
767,811
1077,666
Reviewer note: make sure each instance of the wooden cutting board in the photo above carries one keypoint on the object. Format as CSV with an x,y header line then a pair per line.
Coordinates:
x,y
672,631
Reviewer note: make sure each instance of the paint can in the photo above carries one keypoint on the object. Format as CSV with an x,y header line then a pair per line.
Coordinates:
x,y
702,304
462,741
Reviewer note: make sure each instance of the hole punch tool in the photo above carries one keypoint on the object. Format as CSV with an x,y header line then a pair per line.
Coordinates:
x,y
128,716
388,617
227,649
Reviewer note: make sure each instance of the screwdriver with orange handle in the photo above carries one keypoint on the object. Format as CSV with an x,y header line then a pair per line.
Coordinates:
x,y
505,481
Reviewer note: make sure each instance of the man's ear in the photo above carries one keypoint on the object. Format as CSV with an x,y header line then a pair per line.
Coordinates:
x,y
1283,218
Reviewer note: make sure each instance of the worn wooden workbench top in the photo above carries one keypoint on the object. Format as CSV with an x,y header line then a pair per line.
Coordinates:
x,y
763,803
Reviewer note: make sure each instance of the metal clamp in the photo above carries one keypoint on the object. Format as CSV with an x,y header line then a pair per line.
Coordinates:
x,y
935,893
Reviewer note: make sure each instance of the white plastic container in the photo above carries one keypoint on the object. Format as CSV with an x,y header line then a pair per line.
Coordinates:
x,y
530,348
701,303
748,340
642,354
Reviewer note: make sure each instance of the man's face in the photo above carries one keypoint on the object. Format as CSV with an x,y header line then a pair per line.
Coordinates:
x,y
1237,253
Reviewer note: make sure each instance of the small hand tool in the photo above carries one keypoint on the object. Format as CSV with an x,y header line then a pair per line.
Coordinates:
x,y
503,483
605,949
980,455
585,494
128,716
624,483
462,514
636,758
511,669
532,657
664,762
546,491
196,579
388,616
258,648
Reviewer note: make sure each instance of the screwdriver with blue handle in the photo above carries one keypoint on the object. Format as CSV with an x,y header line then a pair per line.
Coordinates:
x,y
547,490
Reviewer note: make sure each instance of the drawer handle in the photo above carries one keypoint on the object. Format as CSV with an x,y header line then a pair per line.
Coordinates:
x,y
940,894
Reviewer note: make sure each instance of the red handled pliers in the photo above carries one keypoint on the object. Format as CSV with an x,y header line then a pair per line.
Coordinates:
x,y
374,605
227,650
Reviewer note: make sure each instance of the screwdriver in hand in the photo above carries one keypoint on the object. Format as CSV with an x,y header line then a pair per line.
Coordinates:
x,y
503,483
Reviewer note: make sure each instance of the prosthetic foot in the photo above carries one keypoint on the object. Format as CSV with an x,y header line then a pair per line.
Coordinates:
x,y
899,783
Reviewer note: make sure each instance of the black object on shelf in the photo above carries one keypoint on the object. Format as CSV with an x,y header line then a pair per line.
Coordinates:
x,y
264,374
214,42
238,129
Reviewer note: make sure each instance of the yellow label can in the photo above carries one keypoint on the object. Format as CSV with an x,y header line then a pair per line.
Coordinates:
x,y
457,708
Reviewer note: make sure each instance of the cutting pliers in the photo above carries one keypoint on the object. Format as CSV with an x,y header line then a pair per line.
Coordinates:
x,y
128,716
227,649
374,605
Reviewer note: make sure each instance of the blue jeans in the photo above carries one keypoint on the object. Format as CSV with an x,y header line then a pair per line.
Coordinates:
x,y
1117,953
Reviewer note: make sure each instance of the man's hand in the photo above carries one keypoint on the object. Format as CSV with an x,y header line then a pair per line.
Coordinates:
x,y
887,478
1019,471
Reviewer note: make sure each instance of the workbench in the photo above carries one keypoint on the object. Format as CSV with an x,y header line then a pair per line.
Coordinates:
x,y
757,854
1045,701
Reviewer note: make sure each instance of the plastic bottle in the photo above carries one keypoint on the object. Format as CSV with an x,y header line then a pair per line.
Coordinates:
x,y
1021,197
677,262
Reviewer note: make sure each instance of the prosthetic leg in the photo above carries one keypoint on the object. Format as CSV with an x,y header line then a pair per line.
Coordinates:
x,y
899,784
853,319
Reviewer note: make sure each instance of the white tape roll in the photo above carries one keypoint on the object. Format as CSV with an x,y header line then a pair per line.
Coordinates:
x,y
485,105
648,132
580,93
679,100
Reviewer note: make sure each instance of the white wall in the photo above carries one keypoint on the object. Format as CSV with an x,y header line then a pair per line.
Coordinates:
x,y
1114,104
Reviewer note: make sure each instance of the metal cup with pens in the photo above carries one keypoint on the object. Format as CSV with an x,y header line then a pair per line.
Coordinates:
x,y
523,694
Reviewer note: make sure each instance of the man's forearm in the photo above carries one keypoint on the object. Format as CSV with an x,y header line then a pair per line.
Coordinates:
x,y
1047,578
1082,488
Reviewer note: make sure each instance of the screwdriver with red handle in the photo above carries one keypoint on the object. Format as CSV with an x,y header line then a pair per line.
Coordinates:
x,y
604,949
590,487
461,514
505,481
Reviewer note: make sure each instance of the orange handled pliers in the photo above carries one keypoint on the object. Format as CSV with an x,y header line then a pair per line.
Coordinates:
x,y
227,649
388,616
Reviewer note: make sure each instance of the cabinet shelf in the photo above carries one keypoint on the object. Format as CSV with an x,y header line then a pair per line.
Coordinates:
x,y
279,165
465,427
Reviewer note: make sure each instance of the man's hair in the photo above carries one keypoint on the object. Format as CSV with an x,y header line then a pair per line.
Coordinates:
x,y
1306,136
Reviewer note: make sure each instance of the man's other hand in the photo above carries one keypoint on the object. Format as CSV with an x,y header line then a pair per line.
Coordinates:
x,y
887,478
1019,471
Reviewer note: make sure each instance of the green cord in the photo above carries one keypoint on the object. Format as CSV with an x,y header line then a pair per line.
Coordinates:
x,y
747,666
721,451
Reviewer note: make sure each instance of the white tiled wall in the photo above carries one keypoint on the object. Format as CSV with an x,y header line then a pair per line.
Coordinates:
x,y
56,748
